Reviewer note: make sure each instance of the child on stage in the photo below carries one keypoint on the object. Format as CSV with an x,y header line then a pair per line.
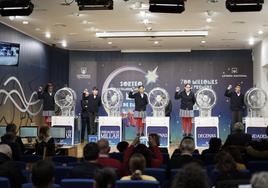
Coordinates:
x,y
141,101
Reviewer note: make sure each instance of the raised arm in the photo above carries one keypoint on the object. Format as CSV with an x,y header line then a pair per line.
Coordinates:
x,y
228,91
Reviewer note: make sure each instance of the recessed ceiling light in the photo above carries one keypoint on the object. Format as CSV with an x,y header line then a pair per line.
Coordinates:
x,y
84,22
208,20
145,21
110,42
203,41
64,43
25,22
260,32
251,41
156,42
48,35
12,18
37,29
139,6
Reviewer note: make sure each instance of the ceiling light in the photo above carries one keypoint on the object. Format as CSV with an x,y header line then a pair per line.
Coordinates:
x,y
154,50
139,6
25,22
156,42
48,35
84,22
64,43
203,41
143,13
209,20
251,41
110,42
146,21
11,18
260,32
133,34
37,29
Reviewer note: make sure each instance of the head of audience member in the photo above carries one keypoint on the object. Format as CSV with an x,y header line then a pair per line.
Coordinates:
x,y
154,137
215,144
43,174
85,93
43,133
95,91
144,150
225,163
11,128
104,146
105,178
239,127
122,146
259,180
191,176
187,146
91,152
238,88
137,164
141,89
187,87
49,88
235,153
6,150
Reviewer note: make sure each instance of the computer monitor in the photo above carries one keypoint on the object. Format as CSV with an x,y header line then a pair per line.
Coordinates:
x,y
28,132
2,130
58,132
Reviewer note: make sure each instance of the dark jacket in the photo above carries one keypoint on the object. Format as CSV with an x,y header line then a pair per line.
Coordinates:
x,y
236,102
187,101
85,170
15,147
48,100
168,109
140,103
94,104
10,170
84,107
49,144
181,160
238,139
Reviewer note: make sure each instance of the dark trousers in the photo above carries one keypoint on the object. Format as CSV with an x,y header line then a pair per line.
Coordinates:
x,y
236,117
85,124
93,127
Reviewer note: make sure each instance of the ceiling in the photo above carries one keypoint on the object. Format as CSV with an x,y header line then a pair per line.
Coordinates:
x,y
78,28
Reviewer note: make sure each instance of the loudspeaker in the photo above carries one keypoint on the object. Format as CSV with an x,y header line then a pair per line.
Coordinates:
x,y
16,7
166,6
244,5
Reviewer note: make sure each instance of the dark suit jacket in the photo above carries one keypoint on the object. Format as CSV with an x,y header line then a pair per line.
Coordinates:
x,y
94,104
85,170
238,139
180,161
236,102
84,107
48,101
140,103
187,101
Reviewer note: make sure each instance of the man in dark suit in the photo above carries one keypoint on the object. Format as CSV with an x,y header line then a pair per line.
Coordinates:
x,y
236,103
238,138
94,102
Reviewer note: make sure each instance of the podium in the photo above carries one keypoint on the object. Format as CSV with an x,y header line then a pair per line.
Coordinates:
x,y
71,124
159,125
110,128
256,126
205,129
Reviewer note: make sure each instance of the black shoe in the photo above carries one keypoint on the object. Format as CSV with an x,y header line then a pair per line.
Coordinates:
x,y
142,134
184,135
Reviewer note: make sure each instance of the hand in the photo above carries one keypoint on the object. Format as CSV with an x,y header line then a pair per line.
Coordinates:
x,y
136,141
135,89
229,87
40,88
177,89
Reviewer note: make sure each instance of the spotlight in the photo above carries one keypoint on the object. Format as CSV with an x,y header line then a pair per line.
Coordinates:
x,y
16,7
244,5
95,4
167,6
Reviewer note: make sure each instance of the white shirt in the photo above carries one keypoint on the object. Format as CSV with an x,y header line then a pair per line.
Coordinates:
x,y
141,95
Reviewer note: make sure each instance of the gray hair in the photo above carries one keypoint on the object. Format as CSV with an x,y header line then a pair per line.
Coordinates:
x,y
259,180
238,127
5,149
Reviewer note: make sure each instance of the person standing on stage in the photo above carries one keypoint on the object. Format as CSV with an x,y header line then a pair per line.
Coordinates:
x,y
236,103
48,102
94,102
186,110
85,114
141,101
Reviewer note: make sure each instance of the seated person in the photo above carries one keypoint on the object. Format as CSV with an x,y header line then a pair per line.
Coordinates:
x,y
89,166
152,156
10,139
105,178
9,168
122,146
45,144
214,146
187,148
12,128
104,158
156,137
43,174
237,156
137,164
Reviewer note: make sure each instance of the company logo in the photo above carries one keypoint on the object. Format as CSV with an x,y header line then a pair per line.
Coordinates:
x,y
83,70
233,72
83,74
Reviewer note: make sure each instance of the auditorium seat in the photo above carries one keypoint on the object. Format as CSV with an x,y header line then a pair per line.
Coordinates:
x,y
4,182
257,166
158,173
30,158
64,160
61,172
137,184
30,185
77,183
208,159
232,183
165,158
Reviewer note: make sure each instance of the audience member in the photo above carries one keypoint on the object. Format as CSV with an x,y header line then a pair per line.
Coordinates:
x,y
152,156
237,156
9,168
191,176
122,146
90,165
214,146
105,178
137,164
187,148
104,158
12,128
10,139
259,180
43,174
45,145
156,137
177,151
